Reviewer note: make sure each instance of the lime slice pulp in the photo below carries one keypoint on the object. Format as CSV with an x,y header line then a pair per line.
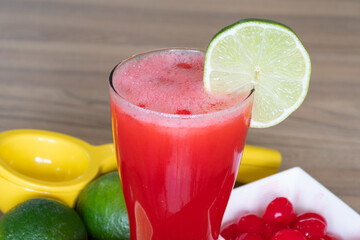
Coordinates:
x,y
263,54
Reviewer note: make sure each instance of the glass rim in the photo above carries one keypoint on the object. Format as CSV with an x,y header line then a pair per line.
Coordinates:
x,y
172,115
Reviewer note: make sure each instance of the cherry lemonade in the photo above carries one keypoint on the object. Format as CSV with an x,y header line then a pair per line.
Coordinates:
x,y
178,147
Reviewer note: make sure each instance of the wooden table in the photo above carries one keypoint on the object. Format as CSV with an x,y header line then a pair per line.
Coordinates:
x,y
56,56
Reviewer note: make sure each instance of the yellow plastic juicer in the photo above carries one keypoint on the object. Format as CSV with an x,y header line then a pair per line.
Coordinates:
x,y
37,163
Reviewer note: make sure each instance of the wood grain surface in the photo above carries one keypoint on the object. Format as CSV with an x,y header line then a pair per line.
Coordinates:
x,y
56,56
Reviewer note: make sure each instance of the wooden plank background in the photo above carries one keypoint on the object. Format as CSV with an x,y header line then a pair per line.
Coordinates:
x,y
56,56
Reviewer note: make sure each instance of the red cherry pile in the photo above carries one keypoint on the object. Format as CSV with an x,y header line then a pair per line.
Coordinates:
x,y
279,222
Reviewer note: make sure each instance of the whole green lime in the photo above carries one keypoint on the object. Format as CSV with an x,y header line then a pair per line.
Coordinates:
x,y
41,219
102,208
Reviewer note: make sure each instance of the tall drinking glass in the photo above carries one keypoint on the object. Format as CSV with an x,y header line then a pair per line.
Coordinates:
x,y
178,147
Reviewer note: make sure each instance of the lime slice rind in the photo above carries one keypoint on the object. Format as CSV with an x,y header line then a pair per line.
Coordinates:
x,y
268,55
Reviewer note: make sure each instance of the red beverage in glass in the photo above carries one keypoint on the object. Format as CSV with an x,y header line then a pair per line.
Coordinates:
x,y
178,147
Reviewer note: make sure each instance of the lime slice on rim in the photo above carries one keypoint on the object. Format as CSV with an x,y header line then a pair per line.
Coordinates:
x,y
263,54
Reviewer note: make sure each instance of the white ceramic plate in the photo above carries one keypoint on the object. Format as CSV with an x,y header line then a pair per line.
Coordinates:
x,y
304,192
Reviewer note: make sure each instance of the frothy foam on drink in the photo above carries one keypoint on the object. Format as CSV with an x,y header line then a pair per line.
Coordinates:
x,y
169,82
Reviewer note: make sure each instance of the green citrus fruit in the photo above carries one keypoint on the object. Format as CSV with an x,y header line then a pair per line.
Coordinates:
x,y
40,219
264,55
102,207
